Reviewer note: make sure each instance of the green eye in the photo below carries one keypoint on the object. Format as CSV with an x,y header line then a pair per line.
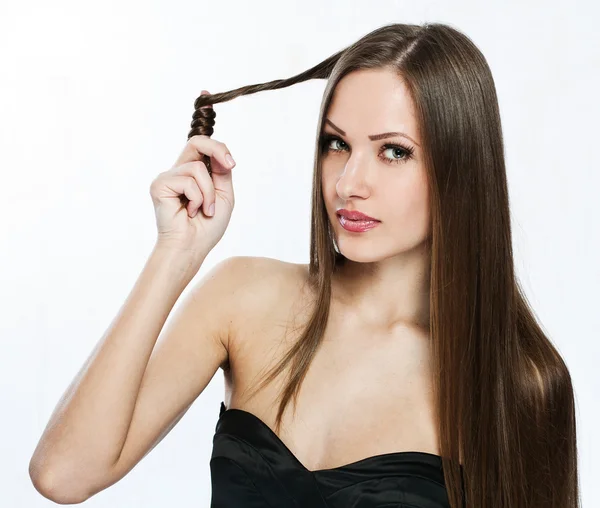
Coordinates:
x,y
402,153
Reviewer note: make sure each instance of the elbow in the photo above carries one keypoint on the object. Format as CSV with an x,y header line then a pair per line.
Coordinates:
x,y
46,483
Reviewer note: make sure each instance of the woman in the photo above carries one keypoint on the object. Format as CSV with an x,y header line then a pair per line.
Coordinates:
x,y
419,374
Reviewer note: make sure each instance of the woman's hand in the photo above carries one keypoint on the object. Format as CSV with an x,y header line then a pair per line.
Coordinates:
x,y
185,195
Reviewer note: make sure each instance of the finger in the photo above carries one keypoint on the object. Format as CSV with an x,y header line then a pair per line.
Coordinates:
x,y
200,145
198,171
186,186
189,153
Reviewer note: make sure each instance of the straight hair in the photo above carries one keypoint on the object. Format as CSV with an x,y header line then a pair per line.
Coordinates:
x,y
503,394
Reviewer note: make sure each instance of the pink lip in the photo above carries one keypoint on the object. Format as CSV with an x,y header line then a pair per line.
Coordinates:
x,y
356,226
354,215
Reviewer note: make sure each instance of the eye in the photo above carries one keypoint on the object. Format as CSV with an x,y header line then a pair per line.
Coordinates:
x,y
326,142
398,153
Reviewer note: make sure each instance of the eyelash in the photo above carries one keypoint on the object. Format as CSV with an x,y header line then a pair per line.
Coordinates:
x,y
408,150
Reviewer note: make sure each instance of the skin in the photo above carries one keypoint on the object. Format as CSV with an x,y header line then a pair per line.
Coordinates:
x,y
386,279
371,374
368,388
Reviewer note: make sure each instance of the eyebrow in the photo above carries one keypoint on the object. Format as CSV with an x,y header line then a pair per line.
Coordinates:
x,y
374,137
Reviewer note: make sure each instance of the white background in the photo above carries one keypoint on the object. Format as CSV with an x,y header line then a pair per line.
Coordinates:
x,y
96,99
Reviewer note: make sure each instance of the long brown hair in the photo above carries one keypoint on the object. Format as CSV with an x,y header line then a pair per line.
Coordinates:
x,y
504,398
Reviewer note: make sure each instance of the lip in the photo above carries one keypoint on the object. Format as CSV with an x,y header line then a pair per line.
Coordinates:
x,y
355,215
357,226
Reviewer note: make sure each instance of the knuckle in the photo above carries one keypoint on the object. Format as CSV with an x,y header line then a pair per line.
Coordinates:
x,y
196,171
192,183
200,167
200,140
196,137
197,142
195,191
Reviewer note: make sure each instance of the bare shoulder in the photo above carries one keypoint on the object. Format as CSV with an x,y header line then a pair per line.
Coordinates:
x,y
270,275
265,286
272,295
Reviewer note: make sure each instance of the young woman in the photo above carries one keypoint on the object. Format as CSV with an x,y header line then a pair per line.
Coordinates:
x,y
418,373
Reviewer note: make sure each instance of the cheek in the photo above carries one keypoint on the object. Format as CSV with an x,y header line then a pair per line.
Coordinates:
x,y
408,203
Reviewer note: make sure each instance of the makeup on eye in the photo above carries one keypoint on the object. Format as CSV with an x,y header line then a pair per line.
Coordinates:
x,y
408,151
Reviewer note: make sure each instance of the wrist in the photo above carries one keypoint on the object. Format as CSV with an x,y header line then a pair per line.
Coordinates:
x,y
183,263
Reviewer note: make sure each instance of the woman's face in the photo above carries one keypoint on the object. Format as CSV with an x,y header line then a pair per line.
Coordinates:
x,y
380,176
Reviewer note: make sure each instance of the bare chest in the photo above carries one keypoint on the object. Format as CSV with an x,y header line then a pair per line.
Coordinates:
x,y
366,392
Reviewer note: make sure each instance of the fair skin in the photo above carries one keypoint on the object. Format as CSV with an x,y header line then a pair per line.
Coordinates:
x,y
368,388
386,278
371,374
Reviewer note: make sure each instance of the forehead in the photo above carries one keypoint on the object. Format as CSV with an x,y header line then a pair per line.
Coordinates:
x,y
371,101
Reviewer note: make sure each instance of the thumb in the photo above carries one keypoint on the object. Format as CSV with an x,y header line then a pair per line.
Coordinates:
x,y
223,180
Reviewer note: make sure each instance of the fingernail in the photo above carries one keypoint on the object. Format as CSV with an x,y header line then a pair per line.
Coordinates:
x,y
211,210
229,160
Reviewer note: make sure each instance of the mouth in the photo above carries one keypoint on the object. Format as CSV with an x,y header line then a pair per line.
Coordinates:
x,y
355,215
357,226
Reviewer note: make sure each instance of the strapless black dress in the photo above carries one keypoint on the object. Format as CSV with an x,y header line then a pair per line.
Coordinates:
x,y
252,468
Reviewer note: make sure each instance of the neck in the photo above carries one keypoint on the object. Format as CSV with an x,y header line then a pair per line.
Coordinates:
x,y
389,293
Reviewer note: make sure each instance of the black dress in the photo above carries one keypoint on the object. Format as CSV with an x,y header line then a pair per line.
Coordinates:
x,y
252,468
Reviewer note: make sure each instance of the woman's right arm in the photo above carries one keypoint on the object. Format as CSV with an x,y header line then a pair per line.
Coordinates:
x,y
129,394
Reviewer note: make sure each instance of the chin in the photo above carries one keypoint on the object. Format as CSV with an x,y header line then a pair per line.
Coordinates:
x,y
361,255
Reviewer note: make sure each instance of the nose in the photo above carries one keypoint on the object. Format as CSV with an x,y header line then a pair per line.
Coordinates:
x,y
353,181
